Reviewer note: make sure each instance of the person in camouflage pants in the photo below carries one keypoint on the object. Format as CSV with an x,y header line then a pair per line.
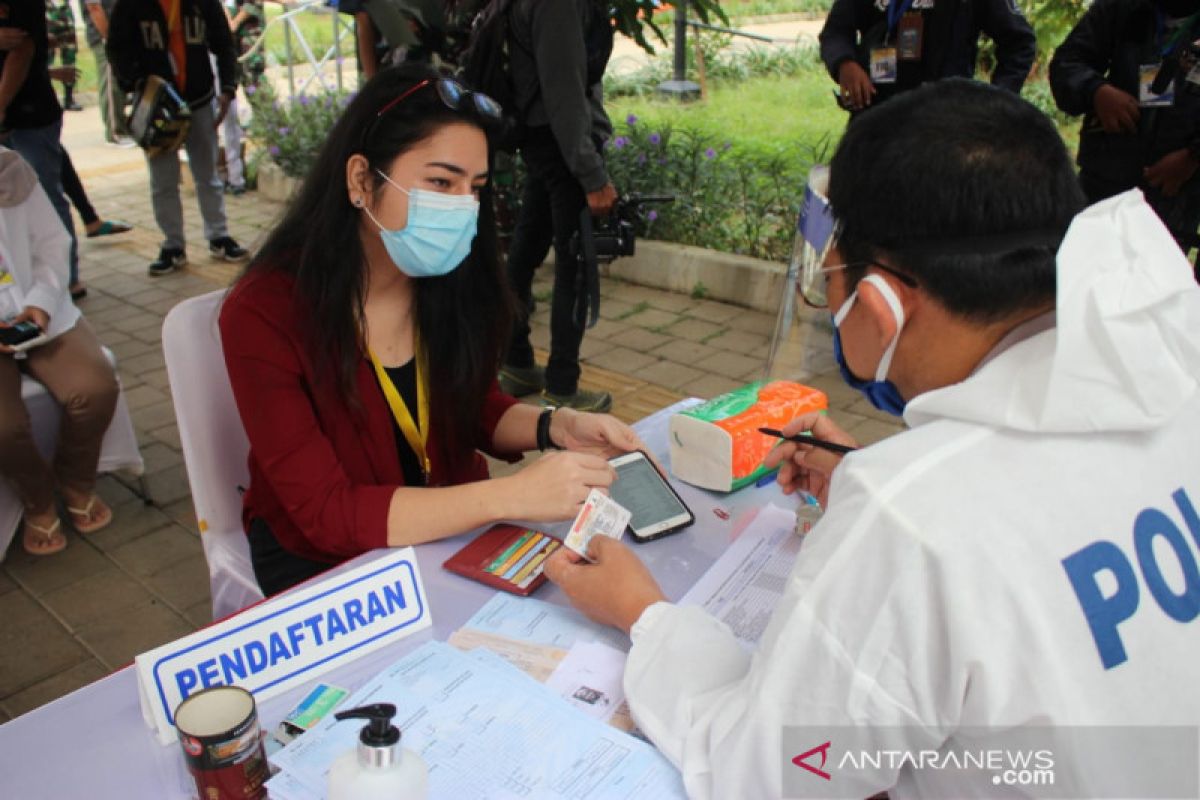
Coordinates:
x,y
247,24
60,28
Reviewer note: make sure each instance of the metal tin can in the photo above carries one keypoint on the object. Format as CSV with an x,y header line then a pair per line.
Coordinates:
x,y
222,744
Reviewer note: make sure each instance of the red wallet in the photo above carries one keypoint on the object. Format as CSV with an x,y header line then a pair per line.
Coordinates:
x,y
505,557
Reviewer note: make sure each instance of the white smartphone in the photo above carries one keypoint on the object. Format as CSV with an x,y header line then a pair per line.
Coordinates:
x,y
657,509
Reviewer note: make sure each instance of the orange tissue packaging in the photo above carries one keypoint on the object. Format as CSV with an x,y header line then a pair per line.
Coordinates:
x,y
716,445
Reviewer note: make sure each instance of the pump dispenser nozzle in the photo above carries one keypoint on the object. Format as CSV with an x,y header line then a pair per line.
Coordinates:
x,y
380,732
379,769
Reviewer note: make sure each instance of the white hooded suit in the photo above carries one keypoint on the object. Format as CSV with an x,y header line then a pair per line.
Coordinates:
x,y
1026,554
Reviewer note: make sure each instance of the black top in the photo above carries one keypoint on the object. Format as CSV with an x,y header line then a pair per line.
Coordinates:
x,y
36,103
1109,44
951,40
404,378
139,44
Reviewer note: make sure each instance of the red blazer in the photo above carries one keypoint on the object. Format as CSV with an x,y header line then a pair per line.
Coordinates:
x,y
322,474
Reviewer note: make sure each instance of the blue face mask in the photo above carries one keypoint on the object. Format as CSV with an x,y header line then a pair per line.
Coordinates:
x,y
437,236
880,392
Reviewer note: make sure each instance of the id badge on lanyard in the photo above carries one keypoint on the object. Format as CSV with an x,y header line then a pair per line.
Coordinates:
x,y
910,36
1146,96
883,65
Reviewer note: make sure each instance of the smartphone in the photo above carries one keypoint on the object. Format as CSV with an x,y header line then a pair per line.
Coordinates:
x,y
657,509
22,336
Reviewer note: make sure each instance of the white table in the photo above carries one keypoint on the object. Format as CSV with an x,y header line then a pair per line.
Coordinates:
x,y
93,742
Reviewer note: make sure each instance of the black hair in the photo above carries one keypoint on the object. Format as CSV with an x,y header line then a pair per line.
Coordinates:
x,y
464,317
966,187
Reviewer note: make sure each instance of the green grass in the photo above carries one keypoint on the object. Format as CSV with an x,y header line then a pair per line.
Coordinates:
x,y
318,32
760,114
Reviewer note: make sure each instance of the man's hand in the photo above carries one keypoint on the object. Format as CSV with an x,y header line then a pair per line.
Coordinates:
x,y
223,101
11,38
614,590
1117,110
1172,171
804,467
857,89
601,201
64,74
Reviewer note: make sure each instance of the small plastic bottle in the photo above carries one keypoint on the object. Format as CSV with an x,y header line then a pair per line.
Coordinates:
x,y
378,769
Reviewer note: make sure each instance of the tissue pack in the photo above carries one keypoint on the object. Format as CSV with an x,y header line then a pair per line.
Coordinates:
x,y
716,445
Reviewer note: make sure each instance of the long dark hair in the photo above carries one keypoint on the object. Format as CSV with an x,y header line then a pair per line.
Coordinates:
x,y
464,317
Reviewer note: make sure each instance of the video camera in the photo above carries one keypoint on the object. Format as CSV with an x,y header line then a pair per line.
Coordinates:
x,y
602,242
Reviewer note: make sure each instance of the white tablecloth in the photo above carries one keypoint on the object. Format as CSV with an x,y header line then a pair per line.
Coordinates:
x,y
93,742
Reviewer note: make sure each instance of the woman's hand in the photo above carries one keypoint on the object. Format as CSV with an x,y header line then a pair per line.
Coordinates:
x,y
807,468
554,487
600,434
613,590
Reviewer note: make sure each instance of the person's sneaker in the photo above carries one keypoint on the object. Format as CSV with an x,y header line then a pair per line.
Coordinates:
x,y
169,259
124,142
236,191
520,381
582,400
72,105
228,249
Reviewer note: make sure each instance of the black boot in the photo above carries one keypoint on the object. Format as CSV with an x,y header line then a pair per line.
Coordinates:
x,y
69,98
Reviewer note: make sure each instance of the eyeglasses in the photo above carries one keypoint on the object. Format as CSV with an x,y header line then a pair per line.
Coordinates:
x,y
813,281
453,95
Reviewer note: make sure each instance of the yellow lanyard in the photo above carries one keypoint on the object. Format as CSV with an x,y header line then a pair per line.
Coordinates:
x,y
414,435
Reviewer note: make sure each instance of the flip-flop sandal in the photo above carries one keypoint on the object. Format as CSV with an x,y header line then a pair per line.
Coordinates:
x,y
110,226
86,513
47,543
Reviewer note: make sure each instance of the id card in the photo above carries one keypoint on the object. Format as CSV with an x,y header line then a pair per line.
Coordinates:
x,y
600,515
883,65
910,35
1146,97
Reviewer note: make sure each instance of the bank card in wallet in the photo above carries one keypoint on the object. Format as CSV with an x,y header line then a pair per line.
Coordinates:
x,y
600,515
505,557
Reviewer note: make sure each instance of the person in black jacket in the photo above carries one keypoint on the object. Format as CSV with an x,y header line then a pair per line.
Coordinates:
x,y
1133,136
875,49
142,42
558,55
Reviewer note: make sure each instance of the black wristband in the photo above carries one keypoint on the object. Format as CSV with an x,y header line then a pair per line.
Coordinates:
x,y
544,442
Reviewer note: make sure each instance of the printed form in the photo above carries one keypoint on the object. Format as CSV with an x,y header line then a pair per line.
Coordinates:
x,y
744,585
486,730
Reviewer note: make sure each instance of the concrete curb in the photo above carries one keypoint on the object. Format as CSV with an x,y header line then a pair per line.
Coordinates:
x,y
724,277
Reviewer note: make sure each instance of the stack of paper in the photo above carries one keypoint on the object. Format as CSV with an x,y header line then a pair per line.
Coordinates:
x,y
485,730
744,585
581,661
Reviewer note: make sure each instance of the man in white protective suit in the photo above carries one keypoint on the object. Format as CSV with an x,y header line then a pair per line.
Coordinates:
x,y
1000,601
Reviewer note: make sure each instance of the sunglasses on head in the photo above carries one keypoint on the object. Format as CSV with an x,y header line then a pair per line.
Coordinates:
x,y
453,95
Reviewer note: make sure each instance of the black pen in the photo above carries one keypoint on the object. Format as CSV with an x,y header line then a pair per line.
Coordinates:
x,y
802,438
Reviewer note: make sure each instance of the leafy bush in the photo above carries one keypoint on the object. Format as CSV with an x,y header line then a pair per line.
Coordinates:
x,y
727,197
292,132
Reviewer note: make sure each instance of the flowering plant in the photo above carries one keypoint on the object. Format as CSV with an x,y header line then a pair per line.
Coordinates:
x,y
293,131
727,197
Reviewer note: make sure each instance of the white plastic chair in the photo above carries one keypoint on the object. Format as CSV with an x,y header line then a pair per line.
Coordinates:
x,y
215,447
118,450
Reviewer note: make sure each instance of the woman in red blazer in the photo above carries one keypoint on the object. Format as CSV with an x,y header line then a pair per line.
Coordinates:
x,y
363,342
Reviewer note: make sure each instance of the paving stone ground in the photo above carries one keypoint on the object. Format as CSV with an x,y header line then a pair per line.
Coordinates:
x,y
72,618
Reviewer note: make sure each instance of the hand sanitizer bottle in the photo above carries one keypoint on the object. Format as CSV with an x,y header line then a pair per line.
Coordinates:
x,y
378,769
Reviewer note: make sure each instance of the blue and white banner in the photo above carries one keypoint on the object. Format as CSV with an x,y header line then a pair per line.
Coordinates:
x,y
288,640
